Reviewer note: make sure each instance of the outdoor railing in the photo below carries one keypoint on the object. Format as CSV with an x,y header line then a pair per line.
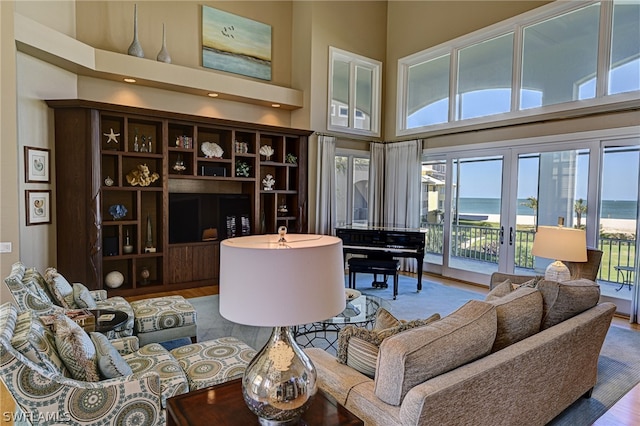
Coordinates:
x,y
483,243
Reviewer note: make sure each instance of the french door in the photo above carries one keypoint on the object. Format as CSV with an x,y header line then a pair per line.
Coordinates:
x,y
481,208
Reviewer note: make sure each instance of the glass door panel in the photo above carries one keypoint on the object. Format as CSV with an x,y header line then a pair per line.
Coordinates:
x,y
618,222
476,207
432,208
551,186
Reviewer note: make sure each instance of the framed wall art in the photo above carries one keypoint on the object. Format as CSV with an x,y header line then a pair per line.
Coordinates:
x,y
38,203
36,165
235,44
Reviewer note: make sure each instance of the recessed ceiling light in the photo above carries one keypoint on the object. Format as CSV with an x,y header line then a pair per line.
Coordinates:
x,y
130,80
212,95
275,105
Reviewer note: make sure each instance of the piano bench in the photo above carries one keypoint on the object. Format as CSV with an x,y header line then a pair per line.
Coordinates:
x,y
385,267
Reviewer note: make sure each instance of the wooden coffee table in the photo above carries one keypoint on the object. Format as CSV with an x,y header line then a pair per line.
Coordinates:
x,y
223,404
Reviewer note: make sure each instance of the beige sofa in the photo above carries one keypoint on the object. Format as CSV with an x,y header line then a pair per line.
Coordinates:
x,y
477,367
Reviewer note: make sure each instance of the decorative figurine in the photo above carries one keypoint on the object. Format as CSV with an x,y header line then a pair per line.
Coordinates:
x,y
268,182
267,151
111,136
211,150
142,176
118,211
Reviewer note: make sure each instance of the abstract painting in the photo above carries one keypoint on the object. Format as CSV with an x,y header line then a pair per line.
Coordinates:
x,y
235,44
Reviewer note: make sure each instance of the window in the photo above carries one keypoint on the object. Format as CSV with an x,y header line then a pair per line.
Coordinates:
x,y
484,78
352,188
354,93
544,61
558,55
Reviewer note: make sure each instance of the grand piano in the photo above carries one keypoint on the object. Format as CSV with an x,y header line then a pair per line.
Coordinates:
x,y
381,242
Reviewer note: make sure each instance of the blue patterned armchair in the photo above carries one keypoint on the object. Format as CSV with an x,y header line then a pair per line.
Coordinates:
x,y
153,320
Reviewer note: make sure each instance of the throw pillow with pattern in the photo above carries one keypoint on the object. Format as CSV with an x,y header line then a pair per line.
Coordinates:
x,y
110,363
60,288
76,349
358,347
82,297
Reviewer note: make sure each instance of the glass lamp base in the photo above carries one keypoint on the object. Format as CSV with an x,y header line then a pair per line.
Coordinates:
x,y
280,381
557,271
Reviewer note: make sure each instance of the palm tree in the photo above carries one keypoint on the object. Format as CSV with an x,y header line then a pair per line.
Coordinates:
x,y
532,203
580,208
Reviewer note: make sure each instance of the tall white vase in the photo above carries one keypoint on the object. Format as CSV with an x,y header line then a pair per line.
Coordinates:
x,y
135,49
163,55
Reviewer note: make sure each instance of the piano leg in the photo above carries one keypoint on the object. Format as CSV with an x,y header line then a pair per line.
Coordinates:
x,y
419,273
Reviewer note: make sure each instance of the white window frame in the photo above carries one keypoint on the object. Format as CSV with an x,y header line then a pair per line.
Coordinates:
x,y
376,86
601,103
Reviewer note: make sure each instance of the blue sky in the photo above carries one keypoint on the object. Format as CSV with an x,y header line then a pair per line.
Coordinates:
x,y
620,171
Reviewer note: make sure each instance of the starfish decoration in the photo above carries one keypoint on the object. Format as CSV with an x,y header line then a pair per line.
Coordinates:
x,y
112,136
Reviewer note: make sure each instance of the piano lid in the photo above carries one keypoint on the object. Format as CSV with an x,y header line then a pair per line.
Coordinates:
x,y
359,227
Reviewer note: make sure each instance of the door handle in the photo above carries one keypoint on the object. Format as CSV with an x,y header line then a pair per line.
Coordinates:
x,y
511,235
501,235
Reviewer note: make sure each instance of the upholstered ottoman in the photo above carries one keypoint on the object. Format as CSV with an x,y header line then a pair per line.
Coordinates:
x,y
162,319
214,361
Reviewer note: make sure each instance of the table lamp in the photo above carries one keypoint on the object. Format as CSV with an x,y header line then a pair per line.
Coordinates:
x,y
561,244
280,281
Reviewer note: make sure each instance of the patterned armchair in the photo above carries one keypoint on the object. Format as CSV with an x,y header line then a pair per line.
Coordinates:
x,y
43,392
31,293
38,368
152,320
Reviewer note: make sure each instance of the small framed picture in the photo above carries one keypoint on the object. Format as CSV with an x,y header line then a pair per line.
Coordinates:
x,y
38,204
36,164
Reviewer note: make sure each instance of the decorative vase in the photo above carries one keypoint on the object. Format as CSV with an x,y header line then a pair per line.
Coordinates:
x,y
163,55
135,49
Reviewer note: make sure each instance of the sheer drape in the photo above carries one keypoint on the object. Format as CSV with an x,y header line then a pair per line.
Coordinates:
x,y
401,206
326,186
376,183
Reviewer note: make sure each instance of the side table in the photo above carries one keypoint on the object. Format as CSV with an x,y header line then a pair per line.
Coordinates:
x,y
108,319
223,404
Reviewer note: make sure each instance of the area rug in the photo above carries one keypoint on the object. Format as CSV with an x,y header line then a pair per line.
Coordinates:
x,y
618,366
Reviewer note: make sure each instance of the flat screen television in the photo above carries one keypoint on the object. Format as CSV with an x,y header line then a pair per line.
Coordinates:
x,y
191,213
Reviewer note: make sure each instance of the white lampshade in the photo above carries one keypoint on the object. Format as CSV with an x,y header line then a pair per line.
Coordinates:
x,y
264,283
561,244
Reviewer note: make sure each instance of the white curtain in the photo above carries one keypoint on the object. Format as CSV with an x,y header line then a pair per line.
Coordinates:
x,y
401,207
376,183
326,187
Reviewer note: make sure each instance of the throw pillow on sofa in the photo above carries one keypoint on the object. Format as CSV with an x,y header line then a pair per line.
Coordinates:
x,y
82,297
385,319
358,346
563,300
76,349
500,290
519,316
414,356
59,288
110,363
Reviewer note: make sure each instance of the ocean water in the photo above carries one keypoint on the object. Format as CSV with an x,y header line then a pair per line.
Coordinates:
x,y
613,209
